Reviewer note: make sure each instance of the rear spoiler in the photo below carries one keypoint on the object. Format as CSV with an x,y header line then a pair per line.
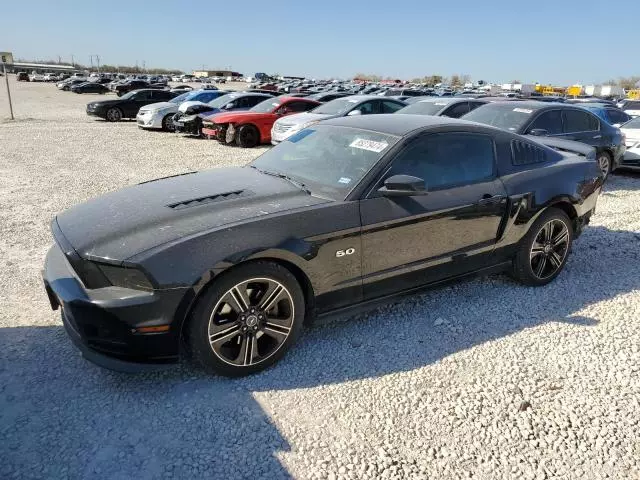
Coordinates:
x,y
568,146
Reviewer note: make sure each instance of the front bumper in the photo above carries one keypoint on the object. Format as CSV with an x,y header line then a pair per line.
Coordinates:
x,y
281,134
149,119
189,124
103,321
96,112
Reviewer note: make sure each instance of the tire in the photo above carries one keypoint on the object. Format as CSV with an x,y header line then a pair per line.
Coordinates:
x,y
167,123
114,114
245,340
605,163
247,136
542,254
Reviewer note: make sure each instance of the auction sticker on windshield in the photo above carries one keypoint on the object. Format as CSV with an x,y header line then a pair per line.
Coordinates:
x,y
370,145
522,110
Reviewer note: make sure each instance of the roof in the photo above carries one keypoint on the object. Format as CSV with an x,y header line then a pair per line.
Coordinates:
x,y
440,100
398,124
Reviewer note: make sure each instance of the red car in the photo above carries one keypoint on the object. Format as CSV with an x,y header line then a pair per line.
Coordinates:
x,y
251,127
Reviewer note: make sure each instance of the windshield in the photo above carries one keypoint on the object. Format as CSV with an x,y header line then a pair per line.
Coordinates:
x,y
266,106
328,160
633,123
507,116
339,106
181,98
128,95
222,101
423,107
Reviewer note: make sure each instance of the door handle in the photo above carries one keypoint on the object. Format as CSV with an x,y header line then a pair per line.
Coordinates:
x,y
597,136
490,199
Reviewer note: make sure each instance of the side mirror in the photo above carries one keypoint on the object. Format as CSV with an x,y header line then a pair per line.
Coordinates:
x,y
402,186
354,112
617,125
538,132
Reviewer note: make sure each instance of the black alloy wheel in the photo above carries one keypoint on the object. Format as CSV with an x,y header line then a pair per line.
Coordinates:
x,y
167,123
247,136
543,252
114,114
247,320
604,163
549,249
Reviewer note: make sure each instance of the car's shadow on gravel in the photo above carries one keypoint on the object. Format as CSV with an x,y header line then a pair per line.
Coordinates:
x,y
60,415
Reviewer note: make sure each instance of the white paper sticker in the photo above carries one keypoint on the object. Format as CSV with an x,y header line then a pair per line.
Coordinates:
x,y
352,101
522,110
441,103
275,104
370,145
344,180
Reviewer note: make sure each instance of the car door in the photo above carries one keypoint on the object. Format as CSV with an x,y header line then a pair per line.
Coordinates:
x,y
139,99
582,126
387,106
414,240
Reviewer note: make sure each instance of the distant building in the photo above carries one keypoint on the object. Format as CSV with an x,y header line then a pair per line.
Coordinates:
x,y
215,73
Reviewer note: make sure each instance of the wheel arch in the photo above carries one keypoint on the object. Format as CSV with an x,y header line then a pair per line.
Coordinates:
x,y
207,280
241,124
568,208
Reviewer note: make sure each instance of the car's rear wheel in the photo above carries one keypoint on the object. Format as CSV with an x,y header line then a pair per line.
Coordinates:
x,y
114,115
246,320
604,163
543,252
247,136
167,123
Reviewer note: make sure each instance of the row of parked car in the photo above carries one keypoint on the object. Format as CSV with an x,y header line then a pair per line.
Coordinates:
x,y
256,116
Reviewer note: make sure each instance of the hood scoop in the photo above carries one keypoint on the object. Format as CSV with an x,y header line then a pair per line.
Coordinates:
x,y
210,199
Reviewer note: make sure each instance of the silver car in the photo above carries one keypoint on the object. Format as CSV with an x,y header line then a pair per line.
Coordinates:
x,y
160,115
340,107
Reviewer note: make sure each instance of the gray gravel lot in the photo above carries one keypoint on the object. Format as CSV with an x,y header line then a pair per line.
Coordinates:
x,y
482,379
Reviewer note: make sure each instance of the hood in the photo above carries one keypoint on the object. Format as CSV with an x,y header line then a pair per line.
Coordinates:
x,y
159,106
239,115
184,105
302,118
105,103
631,133
121,224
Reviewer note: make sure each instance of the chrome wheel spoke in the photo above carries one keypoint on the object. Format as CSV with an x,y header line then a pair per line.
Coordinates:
x,y
548,232
541,264
248,351
555,260
239,295
274,292
561,238
224,334
537,249
277,330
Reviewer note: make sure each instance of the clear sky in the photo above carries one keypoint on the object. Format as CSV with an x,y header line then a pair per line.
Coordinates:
x,y
561,42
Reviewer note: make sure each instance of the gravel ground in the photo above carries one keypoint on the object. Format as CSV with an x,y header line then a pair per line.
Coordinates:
x,y
482,379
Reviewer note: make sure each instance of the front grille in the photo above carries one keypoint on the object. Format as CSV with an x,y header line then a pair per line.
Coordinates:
x,y
210,199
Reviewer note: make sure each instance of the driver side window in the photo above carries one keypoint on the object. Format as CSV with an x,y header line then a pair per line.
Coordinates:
x,y
550,121
447,159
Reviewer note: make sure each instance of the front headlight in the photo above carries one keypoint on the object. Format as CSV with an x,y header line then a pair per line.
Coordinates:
x,y
125,277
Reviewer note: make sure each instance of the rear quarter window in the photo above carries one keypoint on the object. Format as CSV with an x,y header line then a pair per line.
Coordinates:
x,y
525,153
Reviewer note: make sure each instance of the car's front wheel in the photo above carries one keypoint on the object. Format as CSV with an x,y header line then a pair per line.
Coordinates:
x,y
247,136
114,115
167,123
246,320
543,251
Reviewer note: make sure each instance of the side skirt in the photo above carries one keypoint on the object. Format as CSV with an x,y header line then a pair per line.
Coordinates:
x,y
368,305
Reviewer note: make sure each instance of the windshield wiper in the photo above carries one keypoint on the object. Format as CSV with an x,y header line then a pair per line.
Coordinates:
x,y
295,182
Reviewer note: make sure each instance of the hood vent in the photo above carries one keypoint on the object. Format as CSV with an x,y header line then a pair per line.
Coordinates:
x,y
210,199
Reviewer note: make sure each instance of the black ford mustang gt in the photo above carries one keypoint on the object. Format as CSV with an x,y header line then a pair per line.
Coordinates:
x,y
230,262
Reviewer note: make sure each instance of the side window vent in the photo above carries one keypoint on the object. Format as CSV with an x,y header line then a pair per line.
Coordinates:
x,y
523,153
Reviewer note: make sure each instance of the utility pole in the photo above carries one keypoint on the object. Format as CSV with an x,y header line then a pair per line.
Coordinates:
x,y
73,64
144,69
91,61
6,79
98,62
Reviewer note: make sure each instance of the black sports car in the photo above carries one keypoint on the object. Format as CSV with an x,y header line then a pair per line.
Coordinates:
x,y
556,120
128,105
89,87
354,210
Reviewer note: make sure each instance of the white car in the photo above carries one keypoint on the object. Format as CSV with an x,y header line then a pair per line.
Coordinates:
x,y
159,116
630,107
631,130
36,77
